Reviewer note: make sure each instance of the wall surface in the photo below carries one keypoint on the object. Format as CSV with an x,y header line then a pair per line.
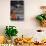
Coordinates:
x,y
27,27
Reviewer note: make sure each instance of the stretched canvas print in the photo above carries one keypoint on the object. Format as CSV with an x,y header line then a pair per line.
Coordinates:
x,y
17,10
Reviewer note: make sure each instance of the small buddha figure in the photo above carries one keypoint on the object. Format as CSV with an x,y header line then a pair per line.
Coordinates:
x,y
13,15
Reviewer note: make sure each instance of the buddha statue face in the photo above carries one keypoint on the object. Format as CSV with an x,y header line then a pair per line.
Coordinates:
x,y
43,8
